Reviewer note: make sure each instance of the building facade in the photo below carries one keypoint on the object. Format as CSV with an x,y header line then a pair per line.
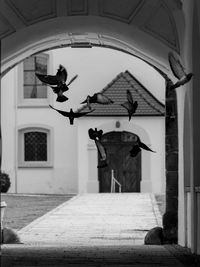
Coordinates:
x,y
43,153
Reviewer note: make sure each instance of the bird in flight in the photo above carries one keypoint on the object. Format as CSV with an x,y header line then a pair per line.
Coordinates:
x,y
57,82
96,136
178,71
130,105
137,147
102,154
71,114
98,98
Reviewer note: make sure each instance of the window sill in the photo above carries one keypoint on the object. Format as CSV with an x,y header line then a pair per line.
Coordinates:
x,y
31,165
34,105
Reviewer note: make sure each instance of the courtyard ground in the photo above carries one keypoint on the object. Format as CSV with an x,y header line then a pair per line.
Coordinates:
x,y
22,209
94,230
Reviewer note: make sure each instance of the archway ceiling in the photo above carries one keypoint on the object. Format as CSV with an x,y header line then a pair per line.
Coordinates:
x,y
155,17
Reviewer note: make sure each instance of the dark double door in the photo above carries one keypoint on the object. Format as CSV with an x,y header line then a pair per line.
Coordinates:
x,y
127,170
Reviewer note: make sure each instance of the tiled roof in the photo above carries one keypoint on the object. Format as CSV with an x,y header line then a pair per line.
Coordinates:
x,y
148,105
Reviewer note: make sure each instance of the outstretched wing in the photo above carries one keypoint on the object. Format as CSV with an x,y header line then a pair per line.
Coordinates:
x,y
126,105
129,96
74,78
49,79
103,99
143,146
176,66
64,113
81,114
101,149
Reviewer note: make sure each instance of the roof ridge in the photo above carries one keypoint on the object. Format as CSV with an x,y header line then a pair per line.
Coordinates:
x,y
111,82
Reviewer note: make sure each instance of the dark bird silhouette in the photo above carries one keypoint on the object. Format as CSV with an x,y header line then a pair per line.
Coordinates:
x,y
95,134
59,91
102,154
178,71
57,82
71,115
97,98
135,150
137,147
130,105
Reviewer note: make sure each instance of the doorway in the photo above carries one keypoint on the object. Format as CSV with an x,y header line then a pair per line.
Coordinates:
x,y
127,170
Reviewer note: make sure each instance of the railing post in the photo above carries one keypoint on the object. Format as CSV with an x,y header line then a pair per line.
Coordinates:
x,y
114,182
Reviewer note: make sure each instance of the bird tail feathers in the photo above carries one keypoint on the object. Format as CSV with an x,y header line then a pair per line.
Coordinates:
x,y
62,98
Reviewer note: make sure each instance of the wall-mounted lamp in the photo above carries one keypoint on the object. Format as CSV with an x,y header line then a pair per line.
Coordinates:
x,y
117,124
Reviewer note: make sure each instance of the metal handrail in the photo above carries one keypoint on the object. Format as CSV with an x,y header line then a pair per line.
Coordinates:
x,y
114,182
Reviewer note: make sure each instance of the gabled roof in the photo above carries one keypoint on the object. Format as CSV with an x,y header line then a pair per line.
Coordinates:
x,y
148,105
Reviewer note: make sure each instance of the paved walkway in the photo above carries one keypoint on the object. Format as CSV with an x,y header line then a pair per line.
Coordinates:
x,y
95,230
96,219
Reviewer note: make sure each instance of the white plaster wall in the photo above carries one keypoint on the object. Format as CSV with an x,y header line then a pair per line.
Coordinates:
x,y
151,132
8,117
62,176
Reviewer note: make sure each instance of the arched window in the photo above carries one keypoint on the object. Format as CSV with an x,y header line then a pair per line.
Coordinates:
x,y
35,147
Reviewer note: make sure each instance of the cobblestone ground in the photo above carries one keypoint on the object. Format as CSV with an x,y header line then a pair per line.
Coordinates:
x,y
95,230
57,256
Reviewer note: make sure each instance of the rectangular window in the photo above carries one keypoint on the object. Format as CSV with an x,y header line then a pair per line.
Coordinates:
x,y
35,146
33,87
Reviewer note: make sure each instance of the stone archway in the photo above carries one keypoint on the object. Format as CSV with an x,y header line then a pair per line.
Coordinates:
x,y
142,39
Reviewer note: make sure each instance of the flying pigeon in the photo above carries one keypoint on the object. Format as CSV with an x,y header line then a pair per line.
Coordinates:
x,y
137,147
71,115
97,98
130,105
95,134
102,154
178,71
57,82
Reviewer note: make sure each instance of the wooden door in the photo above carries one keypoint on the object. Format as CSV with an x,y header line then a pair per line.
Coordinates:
x,y
127,170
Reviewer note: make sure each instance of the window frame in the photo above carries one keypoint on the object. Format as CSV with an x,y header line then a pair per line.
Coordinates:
x,y
31,102
21,143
